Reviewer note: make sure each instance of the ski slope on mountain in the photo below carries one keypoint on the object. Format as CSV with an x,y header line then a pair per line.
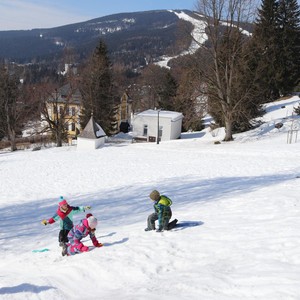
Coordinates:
x,y
237,204
198,34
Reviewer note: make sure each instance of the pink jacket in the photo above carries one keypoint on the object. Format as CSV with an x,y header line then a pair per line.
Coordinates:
x,y
78,232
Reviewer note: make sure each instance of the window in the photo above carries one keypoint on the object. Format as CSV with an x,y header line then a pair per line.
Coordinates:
x,y
73,127
72,111
145,131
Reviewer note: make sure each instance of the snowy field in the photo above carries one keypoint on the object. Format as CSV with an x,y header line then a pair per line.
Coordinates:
x,y
237,204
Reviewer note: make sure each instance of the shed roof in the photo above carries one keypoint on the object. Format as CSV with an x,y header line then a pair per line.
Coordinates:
x,y
173,115
92,130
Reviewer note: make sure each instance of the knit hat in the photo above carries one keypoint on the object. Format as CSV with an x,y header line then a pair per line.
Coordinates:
x,y
62,201
155,195
88,215
92,221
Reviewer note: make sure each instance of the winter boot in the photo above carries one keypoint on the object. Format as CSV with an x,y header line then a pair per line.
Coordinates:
x,y
149,229
64,250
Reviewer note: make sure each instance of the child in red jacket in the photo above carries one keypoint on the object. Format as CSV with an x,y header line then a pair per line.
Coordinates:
x,y
64,214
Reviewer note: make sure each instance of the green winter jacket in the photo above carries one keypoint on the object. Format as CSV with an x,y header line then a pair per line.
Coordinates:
x,y
163,208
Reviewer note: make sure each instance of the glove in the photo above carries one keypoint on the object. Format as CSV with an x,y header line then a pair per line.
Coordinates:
x,y
84,249
44,222
87,207
95,242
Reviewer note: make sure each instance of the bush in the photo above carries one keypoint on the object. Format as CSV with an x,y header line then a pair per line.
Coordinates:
x,y
297,110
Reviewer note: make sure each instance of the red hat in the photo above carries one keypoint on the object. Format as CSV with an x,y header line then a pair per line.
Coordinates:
x,y
88,215
64,202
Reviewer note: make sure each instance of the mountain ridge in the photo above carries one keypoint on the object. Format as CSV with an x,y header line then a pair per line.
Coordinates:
x,y
152,33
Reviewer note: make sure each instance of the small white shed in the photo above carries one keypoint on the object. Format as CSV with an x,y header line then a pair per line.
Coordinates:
x,y
92,136
148,124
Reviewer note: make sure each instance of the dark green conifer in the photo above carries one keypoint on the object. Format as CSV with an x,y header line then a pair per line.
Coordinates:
x,y
288,41
274,50
97,89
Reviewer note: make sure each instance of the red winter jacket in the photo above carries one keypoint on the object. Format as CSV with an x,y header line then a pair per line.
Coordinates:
x,y
66,218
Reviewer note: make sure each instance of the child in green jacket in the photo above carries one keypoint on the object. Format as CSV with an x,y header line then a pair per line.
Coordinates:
x,y
162,212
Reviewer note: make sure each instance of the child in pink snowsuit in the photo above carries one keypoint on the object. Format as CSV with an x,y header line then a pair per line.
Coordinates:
x,y
77,233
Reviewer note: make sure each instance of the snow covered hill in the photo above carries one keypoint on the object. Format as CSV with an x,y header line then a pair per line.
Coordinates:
x,y
237,205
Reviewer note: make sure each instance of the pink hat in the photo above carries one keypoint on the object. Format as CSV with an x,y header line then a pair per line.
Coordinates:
x,y
64,202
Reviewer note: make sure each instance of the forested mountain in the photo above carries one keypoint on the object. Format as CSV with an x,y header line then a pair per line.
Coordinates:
x,y
132,38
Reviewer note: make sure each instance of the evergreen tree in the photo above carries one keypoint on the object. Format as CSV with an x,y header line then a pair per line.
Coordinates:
x,y
167,92
288,58
97,90
274,50
264,50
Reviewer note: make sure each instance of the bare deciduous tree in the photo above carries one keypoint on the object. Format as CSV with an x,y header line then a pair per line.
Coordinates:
x,y
220,60
55,106
14,107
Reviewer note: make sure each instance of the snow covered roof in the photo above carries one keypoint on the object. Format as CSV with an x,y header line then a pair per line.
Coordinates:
x,y
92,130
173,115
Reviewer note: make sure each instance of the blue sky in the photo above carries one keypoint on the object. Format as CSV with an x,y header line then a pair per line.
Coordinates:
x,y
29,14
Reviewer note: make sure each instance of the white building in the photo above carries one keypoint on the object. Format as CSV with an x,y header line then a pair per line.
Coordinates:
x,y
148,124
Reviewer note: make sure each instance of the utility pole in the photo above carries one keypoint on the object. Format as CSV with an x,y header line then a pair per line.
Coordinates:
x,y
157,140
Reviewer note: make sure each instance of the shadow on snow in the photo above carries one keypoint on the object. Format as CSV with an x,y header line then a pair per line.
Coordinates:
x,y
25,287
186,224
128,205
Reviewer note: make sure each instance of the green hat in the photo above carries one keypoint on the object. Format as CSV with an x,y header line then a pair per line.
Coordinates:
x,y
155,195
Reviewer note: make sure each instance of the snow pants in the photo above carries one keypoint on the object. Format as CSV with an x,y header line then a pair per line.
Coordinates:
x,y
154,217
75,246
151,221
63,236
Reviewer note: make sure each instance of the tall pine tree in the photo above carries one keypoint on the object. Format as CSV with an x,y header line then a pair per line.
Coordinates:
x,y
264,50
288,56
274,50
97,90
